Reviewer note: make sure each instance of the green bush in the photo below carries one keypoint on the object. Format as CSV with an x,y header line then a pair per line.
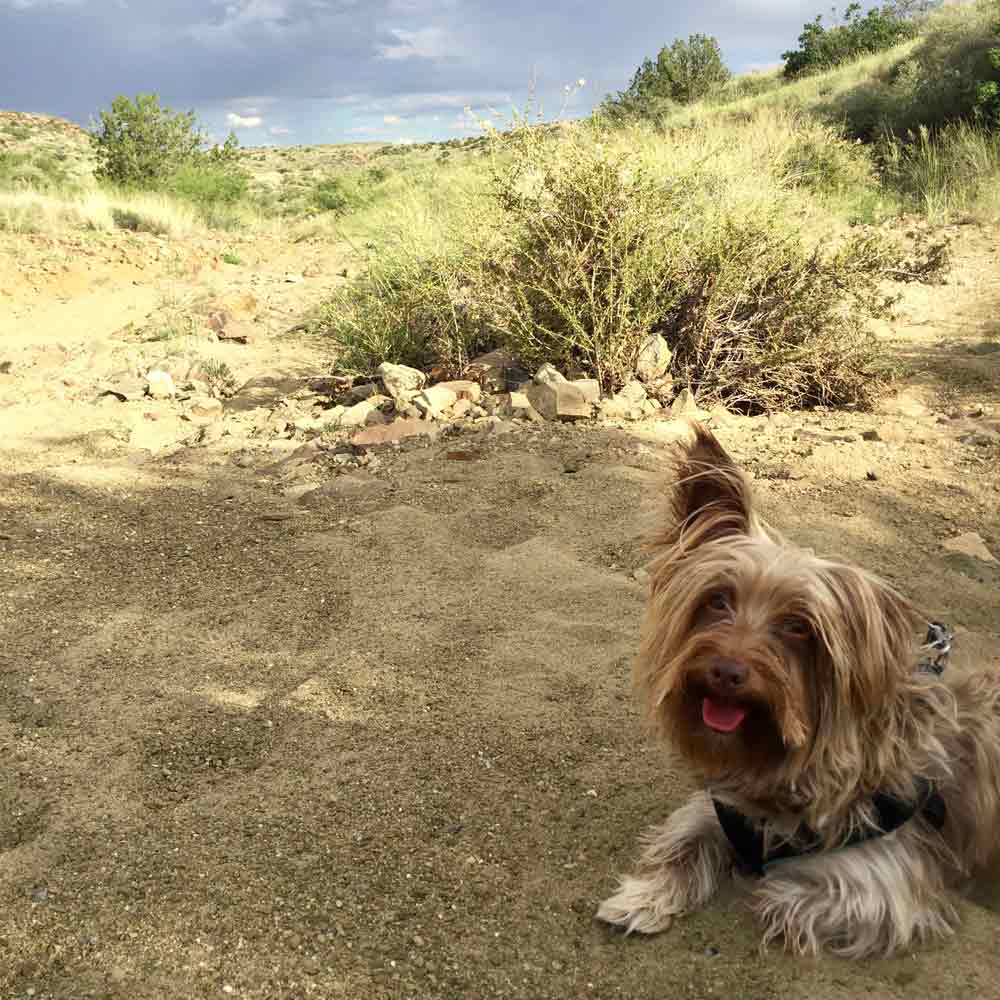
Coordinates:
x,y
823,160
943,80
329,195
139,143
37,170
208,184
683,72
143,145
138,221
821,48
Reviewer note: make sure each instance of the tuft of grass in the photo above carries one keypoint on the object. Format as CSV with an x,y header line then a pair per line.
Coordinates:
x,y
31,211
219,376
953,174
231,258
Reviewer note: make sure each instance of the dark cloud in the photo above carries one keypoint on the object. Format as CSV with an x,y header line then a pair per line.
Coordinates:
x,y
324,69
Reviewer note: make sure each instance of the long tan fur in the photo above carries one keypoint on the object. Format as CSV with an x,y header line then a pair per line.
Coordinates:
x,y
837,712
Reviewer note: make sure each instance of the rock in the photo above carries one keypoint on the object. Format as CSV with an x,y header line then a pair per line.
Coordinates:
x,y
126,388
978,440
160,384
559,401
590,388
294,279
310,425
641,575
204,410
627,404
242,304
401,381
632,392
463,389
353,484
654,359
495,426
361,413
435,402
386,435
870,436
804,434
462,408
357,393
547,375
489,370
685,406
518,405
970,544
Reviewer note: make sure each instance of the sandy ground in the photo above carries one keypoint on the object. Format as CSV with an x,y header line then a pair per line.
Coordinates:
x,y
378,741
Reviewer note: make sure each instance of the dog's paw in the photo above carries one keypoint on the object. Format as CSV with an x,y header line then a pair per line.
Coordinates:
x,y
638,907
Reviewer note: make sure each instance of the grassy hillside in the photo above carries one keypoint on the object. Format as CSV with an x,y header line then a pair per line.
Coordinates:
x,y
745,229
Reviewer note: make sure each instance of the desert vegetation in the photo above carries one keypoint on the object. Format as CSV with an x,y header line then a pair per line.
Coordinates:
x,y
747,220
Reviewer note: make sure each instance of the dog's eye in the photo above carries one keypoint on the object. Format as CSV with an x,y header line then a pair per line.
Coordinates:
x,y
797,628
718,601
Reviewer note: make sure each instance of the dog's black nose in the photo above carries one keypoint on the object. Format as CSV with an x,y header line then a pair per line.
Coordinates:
x,y
728,675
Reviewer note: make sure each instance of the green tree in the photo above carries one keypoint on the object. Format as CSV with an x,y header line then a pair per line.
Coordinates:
x,y
140,143
880,28
684,71
692,69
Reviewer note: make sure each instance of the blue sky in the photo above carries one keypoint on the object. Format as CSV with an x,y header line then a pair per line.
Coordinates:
x,y
321,71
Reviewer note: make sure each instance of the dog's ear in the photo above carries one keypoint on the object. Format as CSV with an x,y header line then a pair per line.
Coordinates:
x,y
871,633
868,635
711,496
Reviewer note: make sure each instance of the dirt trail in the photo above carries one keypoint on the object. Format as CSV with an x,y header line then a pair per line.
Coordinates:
x,y
376,740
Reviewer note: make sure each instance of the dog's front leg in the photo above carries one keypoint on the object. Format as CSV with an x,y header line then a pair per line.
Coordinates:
x,y
680,868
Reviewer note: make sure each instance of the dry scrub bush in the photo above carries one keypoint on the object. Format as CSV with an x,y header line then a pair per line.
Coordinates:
x,y
582,244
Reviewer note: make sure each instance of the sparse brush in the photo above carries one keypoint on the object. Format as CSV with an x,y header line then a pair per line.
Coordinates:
x,y
951,174
219,376
585,242
772,323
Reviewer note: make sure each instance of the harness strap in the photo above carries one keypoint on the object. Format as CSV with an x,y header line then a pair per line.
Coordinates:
x,y
747,837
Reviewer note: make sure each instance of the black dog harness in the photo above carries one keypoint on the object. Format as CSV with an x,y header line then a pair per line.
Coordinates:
x,y
890,812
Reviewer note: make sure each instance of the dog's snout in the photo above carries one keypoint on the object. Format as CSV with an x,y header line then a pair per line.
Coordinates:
x,y
728,676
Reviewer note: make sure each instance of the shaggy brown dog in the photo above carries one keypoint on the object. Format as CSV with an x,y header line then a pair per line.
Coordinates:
x,y
853,784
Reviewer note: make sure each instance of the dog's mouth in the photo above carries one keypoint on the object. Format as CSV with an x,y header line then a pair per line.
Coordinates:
x,y
722,715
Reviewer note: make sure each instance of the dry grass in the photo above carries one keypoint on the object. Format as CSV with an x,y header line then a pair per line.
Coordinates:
x,y
724,237
28,211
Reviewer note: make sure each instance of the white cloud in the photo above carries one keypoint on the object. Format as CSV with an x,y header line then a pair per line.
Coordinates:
x,y
279,130
429,103
391,119
240,121
424,43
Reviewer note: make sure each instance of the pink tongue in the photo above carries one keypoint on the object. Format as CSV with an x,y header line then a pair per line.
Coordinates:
x,y
722,716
